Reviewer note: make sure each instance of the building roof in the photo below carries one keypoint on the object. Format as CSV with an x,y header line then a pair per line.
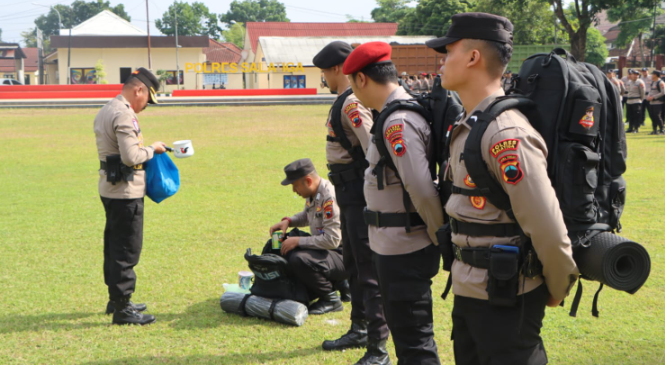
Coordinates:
x,y
11,51
105,23
128,42
221,52
30,63
303,50
255,30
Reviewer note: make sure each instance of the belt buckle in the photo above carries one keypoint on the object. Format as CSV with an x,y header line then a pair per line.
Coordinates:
x,y
458,253
372,215
330,177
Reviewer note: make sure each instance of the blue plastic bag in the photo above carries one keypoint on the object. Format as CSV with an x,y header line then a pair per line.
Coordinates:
x,y
161,177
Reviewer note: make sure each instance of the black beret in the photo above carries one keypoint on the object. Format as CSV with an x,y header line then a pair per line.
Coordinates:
x,y
484,26
150,81
333,54
297,169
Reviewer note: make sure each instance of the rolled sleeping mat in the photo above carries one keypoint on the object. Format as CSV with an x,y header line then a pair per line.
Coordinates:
x,y
279,310
614,261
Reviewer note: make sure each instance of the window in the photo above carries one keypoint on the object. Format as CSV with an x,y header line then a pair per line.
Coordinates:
x,y
82,76
172,80
8,76
294,82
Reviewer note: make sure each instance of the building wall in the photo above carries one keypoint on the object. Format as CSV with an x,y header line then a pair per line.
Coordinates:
x,y
115,58
275,80
34,77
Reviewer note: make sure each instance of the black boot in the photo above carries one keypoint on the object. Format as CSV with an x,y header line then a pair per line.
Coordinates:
x,y
327,303
139,307
126,314
376,354
344,290
354,338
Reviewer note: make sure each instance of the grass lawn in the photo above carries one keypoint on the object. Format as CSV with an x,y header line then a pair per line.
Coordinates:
x,y
51,221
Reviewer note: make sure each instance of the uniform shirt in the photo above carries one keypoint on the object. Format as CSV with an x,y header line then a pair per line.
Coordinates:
x,y
510,141
356,122
619,86
507,83
321,213
656,93
407,137
647,81
636,92
118,132
428,84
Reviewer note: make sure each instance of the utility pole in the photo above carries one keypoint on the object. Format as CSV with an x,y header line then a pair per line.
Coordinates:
x,y
147,15
653,32
177,61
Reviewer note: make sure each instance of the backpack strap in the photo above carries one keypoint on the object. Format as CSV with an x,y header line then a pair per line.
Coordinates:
x,y
356,152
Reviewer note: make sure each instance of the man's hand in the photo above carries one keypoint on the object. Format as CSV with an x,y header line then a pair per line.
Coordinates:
x,y
289,244
649,98
551,302
159,147
281,226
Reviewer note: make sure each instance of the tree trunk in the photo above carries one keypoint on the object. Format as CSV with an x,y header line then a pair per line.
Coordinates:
x,y
639,41
578,44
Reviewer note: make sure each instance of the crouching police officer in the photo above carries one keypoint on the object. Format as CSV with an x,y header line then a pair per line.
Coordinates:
x,y
122,188
403,207
349,124
315,260
503,327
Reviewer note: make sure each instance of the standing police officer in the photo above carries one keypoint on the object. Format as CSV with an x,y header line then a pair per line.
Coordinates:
x,y
122,188
477,48
349,124
634,96
316,260
646,79
403,207
655,99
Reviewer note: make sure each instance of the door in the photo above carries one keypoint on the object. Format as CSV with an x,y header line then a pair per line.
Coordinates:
x,y
125,72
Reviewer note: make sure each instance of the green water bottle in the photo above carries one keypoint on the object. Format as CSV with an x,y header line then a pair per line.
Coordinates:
x,y
276,240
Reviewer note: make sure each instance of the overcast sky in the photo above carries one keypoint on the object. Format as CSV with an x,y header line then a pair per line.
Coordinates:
x,y
19,16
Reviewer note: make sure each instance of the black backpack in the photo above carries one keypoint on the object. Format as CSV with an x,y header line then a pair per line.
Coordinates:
x,y
357,153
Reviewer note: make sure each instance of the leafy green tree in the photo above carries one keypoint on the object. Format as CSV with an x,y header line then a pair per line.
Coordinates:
x,y
431,17
162,76
255,11
636,17
77,13
392,11
235,34
193,19
596,52
100,74
30,37
657,40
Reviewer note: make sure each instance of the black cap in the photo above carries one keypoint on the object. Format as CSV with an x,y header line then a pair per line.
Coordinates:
x,y
633,72
150,81
333,54
297,169
484,26
645,69
656,72
610,71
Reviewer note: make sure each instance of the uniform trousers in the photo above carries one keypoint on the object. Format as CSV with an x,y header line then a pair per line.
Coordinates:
x,y
319,270
484,334
656,114
645,107
123,241
634,116
366,303
405,282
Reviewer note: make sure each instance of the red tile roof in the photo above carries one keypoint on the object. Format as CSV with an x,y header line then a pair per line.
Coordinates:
x,y
288,29
222,52
30,64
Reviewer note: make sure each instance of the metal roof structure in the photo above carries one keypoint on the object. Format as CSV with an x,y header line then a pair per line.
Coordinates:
x,y
105,23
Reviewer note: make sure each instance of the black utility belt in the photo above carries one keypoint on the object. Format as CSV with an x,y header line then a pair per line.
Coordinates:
x,y
341,174
117,171
480,257
102,165
379,219
633,98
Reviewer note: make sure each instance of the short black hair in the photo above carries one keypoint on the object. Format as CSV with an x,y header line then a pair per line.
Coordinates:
x,y
498,54
133,81
381,73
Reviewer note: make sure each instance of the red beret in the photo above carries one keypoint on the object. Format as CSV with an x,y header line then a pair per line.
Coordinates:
x,y
367,54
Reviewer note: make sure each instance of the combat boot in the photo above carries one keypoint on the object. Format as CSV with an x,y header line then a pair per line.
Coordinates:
x,y
327,303
124,313
139,307
344,290
376,354
356,337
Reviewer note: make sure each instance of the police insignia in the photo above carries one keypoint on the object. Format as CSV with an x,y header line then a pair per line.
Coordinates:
x,y
350,107
136,124
328,209
393,131
478,202
318,209
468,182
512,172
505,145
587,120
355,119
399,147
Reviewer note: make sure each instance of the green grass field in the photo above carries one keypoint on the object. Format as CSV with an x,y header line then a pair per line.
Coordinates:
x,y
52,293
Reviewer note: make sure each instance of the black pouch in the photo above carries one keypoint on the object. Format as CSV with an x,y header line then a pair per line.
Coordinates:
x,y
503,280
113,169
444,236
127,172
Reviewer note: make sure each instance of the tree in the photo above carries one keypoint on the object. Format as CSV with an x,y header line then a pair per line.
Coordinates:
x,y
100,74
193,19
392,11
533,20
235,35
431,17
596,52
30,37
255,11
658,40
162,76
636,18
0,34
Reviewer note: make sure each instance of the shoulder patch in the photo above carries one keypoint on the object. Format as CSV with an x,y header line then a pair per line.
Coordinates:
x,y
505,145
394,131
350,107
136,124
512,172
399,147
328,209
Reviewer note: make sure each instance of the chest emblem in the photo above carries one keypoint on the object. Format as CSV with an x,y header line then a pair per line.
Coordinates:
x,y
478,202
468,182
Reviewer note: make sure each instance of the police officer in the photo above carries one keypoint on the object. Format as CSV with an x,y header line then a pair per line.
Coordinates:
x,y
634,96
122,188
618,84
507,81
655,99
646,79
477,48
401,236
315,260
625,80
349,123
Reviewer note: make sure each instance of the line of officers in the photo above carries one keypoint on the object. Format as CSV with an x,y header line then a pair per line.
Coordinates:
x,y
641,91
378,225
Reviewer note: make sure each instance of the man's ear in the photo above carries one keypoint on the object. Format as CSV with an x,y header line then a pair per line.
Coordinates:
x,y
361,80
474,58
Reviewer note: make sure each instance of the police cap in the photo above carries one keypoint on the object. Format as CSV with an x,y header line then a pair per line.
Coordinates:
x,y
150,81
333,54
656,72
633,72
644,69
297,169
370,53
483,26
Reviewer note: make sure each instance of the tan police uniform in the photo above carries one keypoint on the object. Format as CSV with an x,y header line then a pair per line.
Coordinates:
x,y
357,122
634,97
645,103
657,90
